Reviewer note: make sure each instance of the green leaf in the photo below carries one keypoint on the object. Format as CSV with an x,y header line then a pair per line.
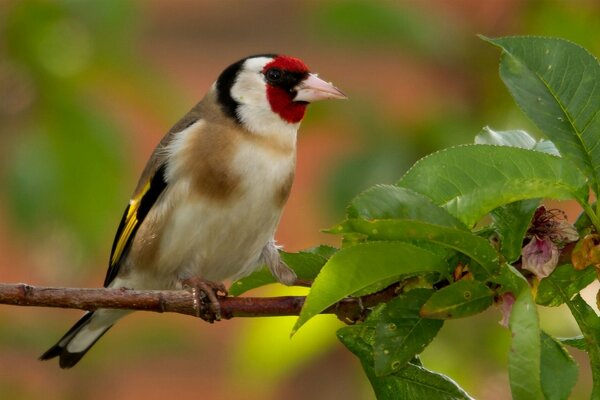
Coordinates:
x,y
400,333
557,84
577,342
478,248
460,299
470,181
510,280
354,268
559,370
562,284
511,222
583,222
589,323
411,382
515,138
524,359
414,382
256,279
322,250
393,202
359,340
306,265
546,146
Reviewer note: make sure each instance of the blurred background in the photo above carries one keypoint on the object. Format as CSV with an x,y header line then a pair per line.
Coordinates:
x,y
87,89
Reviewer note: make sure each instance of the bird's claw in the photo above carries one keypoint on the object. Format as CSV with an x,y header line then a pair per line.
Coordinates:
x,y
206,298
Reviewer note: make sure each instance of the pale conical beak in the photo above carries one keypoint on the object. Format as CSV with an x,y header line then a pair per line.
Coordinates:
x,y
313,89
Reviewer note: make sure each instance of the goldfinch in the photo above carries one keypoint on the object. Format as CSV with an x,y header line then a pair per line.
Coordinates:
x,y
210,198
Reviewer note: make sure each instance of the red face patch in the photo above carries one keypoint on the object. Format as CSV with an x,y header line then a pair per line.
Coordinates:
x,y
281,96
287,63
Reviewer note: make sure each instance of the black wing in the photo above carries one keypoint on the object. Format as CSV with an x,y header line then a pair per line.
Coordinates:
x,y
134,215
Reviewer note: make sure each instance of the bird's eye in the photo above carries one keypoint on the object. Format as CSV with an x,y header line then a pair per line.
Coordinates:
x,y
273,75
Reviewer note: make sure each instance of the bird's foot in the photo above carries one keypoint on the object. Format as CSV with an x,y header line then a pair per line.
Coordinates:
x,y
206,297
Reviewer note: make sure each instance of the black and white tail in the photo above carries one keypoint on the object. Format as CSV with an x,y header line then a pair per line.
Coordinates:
x,y
82,336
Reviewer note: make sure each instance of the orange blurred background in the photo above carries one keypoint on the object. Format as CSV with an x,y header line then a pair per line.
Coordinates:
x,y
87,89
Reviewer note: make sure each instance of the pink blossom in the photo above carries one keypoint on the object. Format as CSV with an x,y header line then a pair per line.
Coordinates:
x,y
540,256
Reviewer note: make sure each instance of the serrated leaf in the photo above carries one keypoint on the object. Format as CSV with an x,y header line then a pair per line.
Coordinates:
x,y
563,283
558,369
511,222
306,265
460,299
557,84
515,138
546,146
354,268
411,382
478,248
470,181
393,202
400,333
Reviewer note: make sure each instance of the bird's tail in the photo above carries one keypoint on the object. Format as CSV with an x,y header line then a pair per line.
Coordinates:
x,y
82,336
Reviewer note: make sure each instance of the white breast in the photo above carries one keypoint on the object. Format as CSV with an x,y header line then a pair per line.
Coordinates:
x,y
223,240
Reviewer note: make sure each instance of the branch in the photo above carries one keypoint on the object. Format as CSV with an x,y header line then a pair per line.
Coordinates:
x,y
180,301
184,302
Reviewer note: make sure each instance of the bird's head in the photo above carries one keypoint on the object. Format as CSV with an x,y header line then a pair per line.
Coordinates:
x,y
267,92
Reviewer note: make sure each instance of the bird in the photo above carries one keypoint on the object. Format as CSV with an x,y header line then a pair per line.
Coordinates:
x,y
210,197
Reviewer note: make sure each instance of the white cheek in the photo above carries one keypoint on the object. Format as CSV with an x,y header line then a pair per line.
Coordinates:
x,y
255,112
249,87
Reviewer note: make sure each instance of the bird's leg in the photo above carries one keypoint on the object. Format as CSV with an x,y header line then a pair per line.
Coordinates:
x,y
206,297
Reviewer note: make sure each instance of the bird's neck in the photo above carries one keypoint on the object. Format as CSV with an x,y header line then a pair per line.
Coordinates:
x,y
266,123
258,122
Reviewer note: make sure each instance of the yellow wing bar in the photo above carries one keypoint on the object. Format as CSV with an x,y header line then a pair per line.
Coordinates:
x,y
131,222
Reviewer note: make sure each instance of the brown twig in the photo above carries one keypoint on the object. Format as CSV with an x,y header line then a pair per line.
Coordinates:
x,y
179,301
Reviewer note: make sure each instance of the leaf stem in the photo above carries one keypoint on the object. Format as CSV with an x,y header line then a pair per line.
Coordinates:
x,y
591,214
